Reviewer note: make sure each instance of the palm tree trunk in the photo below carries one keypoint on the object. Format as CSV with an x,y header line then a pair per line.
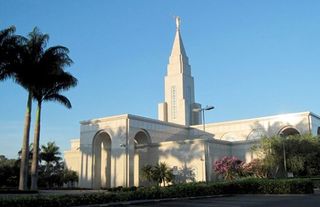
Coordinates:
x,y
24,165
35,158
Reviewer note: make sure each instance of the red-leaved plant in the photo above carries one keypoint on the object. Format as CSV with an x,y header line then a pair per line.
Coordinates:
x,y
229,167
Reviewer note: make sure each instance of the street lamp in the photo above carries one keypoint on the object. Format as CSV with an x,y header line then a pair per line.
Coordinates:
x,y
207,108
284,154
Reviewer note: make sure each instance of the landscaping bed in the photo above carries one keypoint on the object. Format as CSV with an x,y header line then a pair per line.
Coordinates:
x,y
243,186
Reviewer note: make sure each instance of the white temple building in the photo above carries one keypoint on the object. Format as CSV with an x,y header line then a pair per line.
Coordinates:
x,y
112,150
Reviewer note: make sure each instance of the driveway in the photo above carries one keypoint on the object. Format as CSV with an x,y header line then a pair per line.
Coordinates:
x,y
312,200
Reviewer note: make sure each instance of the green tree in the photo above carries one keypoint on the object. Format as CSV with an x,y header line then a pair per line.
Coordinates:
x,y
147,173
302,155
53,81
50,154
10,46
159,173
162,173
70,177
14,62
52,170
9,172
41,73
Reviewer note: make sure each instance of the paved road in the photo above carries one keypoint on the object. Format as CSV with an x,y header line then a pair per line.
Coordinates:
x,y
245,201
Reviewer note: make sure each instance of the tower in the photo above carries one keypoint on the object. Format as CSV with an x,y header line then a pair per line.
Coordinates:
x,y
179,87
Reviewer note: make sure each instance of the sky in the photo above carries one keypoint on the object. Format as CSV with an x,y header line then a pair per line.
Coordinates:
x,y
249,58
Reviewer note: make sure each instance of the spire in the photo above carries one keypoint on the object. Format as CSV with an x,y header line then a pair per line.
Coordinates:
x,y
179,100
178,48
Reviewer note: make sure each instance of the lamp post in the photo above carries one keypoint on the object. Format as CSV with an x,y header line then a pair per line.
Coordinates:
x,y
284,154
284,159
207,108
205,164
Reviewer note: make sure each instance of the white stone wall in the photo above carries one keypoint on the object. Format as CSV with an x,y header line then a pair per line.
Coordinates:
x,y
216,150
115,127
186,156
315,123
179,146
250,129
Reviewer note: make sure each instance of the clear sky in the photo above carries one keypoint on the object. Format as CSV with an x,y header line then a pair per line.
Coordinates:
x,y
248,58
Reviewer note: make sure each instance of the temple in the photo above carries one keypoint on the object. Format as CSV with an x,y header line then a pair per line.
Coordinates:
x,y
112,150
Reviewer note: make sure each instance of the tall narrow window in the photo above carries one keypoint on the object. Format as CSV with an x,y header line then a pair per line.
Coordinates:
x,y
173,102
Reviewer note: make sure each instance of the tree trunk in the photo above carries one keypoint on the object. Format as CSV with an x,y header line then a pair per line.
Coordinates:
x,y
24,165
35,158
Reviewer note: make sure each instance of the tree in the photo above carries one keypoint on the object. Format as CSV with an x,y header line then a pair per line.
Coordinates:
x,y
41,73
53,81
53,167
10,45
302,155
70,177
147,173
15,62
160,173
9,172
229,167
50,154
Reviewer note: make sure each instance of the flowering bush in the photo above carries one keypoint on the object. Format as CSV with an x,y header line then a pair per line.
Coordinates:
x,y
229,167
255,168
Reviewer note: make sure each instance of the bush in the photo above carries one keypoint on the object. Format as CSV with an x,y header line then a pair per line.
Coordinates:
x,y
229,167
244,186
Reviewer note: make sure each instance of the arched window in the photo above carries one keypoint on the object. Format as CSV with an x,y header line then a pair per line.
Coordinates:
x,y
288,131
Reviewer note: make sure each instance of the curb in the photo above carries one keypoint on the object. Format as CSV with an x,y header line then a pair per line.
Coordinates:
x,y
125,203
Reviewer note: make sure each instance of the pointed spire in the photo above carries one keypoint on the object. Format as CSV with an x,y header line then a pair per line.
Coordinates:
x,y
178,61
178,48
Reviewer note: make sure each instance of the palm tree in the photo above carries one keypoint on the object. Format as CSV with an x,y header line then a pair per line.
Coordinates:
x,y
147,173
50,90
162,173
13,64
26,73
9,46
50,154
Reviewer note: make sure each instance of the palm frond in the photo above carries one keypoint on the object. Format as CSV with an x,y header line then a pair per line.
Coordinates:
x,y
59,98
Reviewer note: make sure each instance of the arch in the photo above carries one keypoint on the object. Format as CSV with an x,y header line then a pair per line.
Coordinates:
x,y
229,136
288,131
142,137
141,141
101,163
256,133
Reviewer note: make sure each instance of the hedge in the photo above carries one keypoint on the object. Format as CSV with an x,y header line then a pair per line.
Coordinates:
x,y
245,186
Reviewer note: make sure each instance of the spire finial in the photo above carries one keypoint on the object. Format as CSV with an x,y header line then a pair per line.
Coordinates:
x,y
178,22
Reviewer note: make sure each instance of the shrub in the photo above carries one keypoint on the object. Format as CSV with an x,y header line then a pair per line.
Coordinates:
x,y
242,186
255,168
159,173
229,167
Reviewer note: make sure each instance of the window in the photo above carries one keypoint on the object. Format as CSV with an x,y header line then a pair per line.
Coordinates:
x,y
173,102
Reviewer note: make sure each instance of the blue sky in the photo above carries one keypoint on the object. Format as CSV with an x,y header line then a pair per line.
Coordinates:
x,y
248,58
